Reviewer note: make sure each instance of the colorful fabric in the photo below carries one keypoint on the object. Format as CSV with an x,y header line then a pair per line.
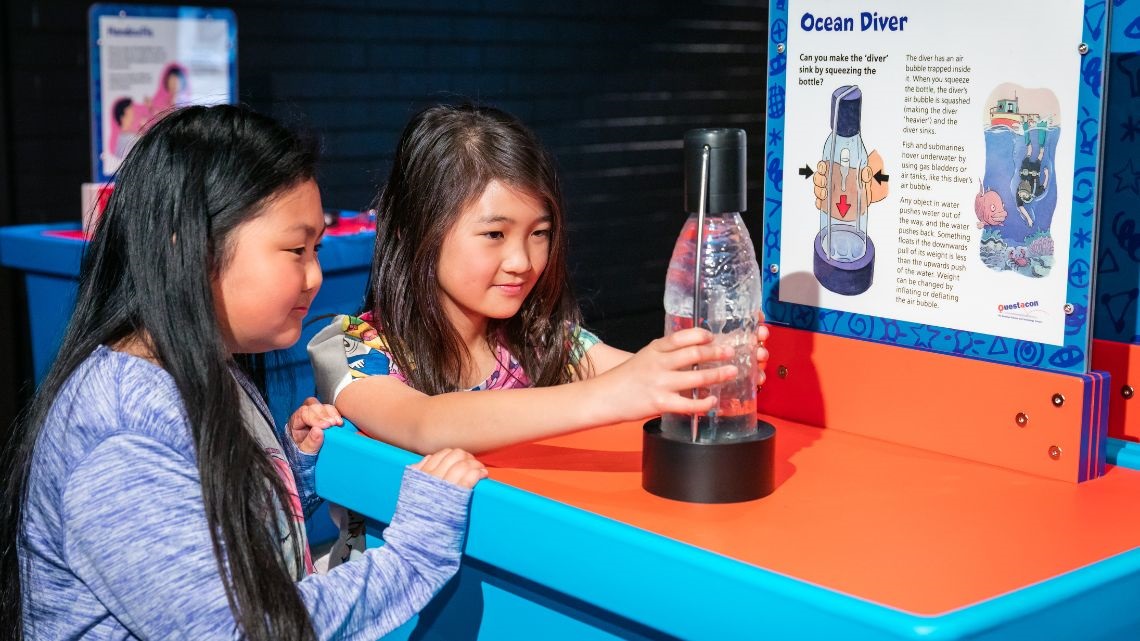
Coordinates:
x,y
368,354
257,418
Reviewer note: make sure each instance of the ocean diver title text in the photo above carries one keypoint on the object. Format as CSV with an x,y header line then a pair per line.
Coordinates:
x,y
868,21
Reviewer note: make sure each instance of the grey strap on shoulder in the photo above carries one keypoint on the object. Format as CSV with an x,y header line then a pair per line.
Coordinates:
x,y
327,356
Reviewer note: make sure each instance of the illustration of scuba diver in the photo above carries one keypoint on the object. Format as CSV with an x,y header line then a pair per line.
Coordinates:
x,y
1019,181
1033,179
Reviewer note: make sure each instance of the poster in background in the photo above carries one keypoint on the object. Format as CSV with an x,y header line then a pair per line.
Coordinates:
x,y
936,185
146,60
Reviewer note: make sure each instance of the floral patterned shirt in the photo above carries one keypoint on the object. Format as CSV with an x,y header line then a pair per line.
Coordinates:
x,y
368,354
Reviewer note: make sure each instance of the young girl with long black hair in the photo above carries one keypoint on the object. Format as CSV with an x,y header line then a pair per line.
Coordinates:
x,y
146,492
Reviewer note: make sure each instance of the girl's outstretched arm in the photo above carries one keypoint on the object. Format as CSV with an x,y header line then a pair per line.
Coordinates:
x,y
645,384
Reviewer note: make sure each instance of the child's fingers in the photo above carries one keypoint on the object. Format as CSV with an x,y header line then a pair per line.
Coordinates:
x,y
419,465
315,416
451,465
436,464
318,415
695,354
453,457
330,414
761,356
312,442
315,438
689,379
425,462
466,473
762,333
683,338
309,422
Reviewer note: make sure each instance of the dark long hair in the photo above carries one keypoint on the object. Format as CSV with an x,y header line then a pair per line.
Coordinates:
x,y
446,157
188,183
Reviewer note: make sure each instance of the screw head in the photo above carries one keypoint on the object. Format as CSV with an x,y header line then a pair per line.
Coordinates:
x,y
780,48
782,371
1069,309
774,268
1054,452
1083,48
1127,392
1022,419
1058,399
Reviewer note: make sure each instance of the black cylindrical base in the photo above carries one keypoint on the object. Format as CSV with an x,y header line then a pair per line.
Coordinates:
x,y
727,472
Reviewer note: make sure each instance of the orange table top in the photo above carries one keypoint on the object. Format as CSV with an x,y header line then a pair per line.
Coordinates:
x,y
914,530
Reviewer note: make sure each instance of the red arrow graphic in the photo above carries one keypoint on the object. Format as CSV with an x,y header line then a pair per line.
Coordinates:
x,y
842,206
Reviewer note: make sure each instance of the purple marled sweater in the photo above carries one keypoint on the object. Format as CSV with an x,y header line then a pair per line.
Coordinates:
x,y
116,544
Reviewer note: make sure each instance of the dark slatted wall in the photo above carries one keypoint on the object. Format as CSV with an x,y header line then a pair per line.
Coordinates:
x,y
610,87
15,357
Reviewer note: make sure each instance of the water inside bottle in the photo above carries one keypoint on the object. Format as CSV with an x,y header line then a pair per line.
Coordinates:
x,y
730,309
734,417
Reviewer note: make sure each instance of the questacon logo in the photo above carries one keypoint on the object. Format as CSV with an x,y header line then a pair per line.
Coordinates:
x,y
1022,305
1026,310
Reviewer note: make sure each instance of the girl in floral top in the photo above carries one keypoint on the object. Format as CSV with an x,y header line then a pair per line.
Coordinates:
x,y
469,291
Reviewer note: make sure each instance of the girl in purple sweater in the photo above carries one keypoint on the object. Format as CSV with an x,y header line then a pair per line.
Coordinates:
x,y
146,494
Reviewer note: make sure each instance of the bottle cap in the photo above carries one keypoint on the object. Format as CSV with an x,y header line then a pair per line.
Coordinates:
x,y
846,110
727,165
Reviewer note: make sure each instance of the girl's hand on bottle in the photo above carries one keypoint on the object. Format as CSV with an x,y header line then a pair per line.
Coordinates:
x,y
761,354
454,466
306,425
660,377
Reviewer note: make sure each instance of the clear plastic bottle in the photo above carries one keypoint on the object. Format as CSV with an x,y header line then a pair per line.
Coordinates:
x,y
730,309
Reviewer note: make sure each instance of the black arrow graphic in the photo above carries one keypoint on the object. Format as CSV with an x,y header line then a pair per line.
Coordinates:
x,y
806,171
881,177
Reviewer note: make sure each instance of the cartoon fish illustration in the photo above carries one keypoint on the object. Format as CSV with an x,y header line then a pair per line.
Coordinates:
x,y
988,207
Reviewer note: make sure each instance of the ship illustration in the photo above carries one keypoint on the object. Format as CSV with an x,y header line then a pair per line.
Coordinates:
x,y
1007,114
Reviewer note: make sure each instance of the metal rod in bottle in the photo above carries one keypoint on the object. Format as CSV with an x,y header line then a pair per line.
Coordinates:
x,y
702,209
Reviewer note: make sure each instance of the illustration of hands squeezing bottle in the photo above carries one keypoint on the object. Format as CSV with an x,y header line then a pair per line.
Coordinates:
x,y
847,180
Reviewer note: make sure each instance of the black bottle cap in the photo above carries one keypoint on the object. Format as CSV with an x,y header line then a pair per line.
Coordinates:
x,y
846,110
727,166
